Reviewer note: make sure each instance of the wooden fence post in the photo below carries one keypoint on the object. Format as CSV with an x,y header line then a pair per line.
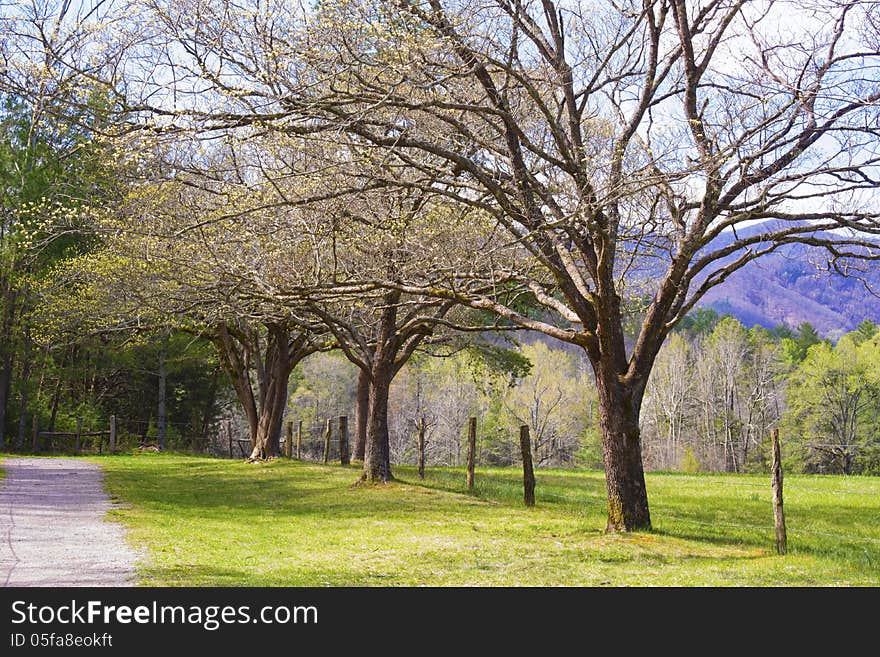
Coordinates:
x,y
112,446
299,440
288,440
79,430
327,440
776,483
35,442
344,457
472,451
525,446
229,437
421,448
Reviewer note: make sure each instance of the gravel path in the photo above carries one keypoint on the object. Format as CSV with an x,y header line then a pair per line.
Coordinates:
x,y
52,526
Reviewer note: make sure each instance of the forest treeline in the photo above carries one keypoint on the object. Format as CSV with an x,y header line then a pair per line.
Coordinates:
x,y
717,391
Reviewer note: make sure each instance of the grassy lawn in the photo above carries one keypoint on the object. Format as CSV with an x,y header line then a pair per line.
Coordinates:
x,y
211,522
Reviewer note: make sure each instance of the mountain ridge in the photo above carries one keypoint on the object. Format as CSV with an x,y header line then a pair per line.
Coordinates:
x,y
793,285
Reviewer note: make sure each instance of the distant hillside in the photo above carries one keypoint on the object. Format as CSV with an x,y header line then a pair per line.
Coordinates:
x,y
788,287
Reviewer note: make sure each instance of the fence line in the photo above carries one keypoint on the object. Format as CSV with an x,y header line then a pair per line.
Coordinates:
x,y
114,435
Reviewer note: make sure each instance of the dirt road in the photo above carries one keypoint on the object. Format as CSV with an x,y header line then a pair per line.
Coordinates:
x,y
53,529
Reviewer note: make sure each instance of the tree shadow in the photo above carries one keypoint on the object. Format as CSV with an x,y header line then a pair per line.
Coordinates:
x,y
194,575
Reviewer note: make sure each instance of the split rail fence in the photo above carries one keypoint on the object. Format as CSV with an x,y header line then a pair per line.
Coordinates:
x,y
117,435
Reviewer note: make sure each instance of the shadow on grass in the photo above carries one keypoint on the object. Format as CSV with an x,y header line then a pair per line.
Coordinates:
x,y
502,487
293,489
201,574
218,576
860,552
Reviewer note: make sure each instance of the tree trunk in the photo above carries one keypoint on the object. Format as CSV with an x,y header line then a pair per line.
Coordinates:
x,y
267,437
274,395
421,448
162,409
22,411
234,361
210,403
363,411
6,365
265,419
621,442
279,420
268,430
377,454
7,361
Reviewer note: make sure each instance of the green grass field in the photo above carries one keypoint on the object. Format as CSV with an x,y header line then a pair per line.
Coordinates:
x,y
206,522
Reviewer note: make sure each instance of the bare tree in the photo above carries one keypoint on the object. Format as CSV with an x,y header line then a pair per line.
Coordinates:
x,y
272,352
448,399
379,336
669,394
551,400
161,265
727,351
386,234
762,396
627,147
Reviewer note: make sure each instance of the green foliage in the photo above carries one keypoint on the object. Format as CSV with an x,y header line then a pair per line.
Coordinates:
x,y
54,168
689,463
498,435
323,386
103,376
796,344
865,331
590,455
834,405
783,331
700,321
728,329
487,360
807,336
759,335
792,354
